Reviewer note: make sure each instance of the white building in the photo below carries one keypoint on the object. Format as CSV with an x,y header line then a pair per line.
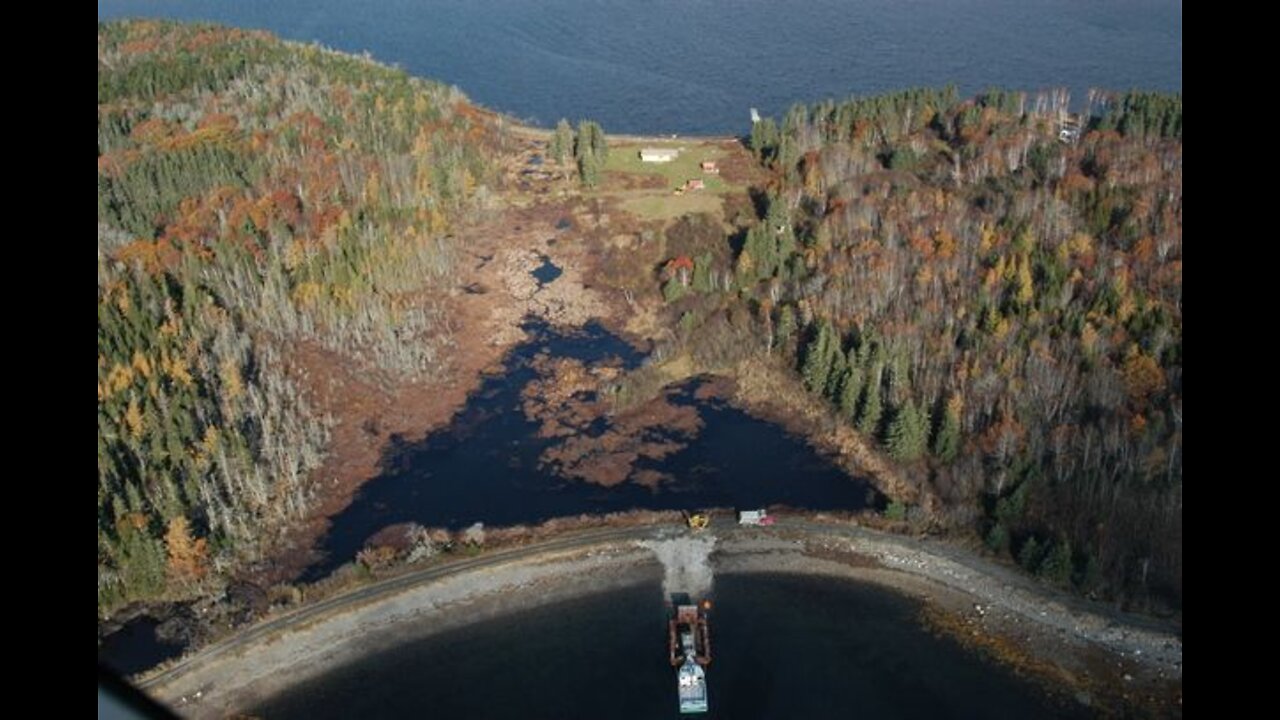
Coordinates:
x,y
658,155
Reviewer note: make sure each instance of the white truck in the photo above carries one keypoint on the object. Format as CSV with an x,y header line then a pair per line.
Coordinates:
x,y
755,517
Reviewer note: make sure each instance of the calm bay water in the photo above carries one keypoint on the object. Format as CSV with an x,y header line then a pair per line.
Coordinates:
x,y
696,66
785,647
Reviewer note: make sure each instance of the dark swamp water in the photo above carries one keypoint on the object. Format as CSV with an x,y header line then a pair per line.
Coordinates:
x,y
785,647
137,646
487,466
697,66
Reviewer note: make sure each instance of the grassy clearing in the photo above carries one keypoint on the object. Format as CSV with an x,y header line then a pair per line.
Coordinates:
x,y
655,205
663,203
626,159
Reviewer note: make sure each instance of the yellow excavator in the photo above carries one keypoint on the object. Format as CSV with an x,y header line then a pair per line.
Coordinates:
x,y
697,520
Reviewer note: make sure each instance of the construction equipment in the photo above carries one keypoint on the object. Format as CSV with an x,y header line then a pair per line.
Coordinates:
x,y
697,520
689,647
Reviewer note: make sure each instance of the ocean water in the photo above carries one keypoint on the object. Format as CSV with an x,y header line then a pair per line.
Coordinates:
x,y
697,66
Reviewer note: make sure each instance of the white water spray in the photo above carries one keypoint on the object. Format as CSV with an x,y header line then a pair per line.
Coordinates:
x,y
686,564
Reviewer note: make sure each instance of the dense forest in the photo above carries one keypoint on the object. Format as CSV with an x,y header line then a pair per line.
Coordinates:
x,y
253,196
991,289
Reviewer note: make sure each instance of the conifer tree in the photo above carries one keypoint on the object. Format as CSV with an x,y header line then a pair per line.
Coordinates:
x,y
562,142
850,389
590,150
778,221
906,436
871,408
1030,555
817,359
946,439
786,324
1056,566
589,169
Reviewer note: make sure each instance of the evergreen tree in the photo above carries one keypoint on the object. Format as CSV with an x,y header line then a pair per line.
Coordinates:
x,y
599,144
562,142
1090,578
946,438
786,155
763,250
906,437
924,423
898,377
817,359
836,368
591,139
1030,555
850,389
582,140
590,150
1056,566
998,538
764,138
778,220
589,169
142,563
786,325
871,408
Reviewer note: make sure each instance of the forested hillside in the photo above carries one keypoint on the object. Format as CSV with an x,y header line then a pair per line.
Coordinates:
x,y
991,290
253,195
988,292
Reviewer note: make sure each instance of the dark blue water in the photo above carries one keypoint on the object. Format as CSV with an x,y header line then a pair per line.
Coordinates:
x,y
485,467
547,272
696,66
136,647
785,647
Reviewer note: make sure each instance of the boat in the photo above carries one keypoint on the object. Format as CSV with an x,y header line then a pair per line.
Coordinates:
x,y
689,647
691,682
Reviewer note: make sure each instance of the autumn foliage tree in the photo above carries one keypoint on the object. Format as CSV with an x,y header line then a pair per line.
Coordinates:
x,y
188,556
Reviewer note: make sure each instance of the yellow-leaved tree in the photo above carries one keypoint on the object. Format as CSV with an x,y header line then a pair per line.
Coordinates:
x,y
188,556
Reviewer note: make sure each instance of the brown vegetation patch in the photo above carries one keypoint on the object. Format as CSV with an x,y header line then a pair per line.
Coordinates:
x,y
369,407
715,387
563,397
651,431
738,167
652,479
615,180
